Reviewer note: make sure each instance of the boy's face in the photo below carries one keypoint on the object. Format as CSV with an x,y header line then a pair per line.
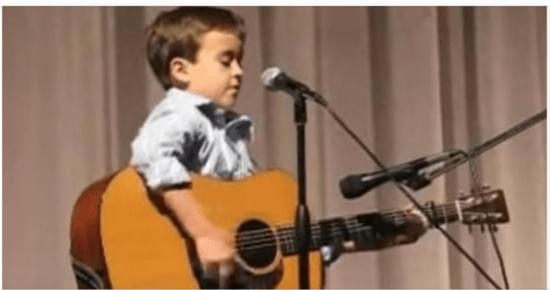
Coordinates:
x,y
216,73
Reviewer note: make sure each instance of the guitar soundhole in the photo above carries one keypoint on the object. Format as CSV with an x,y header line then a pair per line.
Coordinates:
x,y
256,243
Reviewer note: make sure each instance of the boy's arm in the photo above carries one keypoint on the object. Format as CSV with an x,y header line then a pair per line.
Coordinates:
x,y
187,211
214,245
158,152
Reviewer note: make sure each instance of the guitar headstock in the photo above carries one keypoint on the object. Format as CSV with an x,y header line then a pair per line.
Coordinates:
x,y
487,206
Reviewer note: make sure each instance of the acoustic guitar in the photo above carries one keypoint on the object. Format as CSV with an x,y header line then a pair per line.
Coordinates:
x,y
143,247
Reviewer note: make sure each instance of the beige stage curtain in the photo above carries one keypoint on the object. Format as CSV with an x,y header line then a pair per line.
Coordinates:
x,y
409,81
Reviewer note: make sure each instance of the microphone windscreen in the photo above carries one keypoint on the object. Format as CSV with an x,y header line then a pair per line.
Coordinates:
x,y
352,186
269,75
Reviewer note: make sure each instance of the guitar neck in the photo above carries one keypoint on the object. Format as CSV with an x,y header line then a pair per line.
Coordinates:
x,y
363,229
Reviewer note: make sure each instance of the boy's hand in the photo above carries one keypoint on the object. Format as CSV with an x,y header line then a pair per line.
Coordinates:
x,y
216,251
215,247
415,226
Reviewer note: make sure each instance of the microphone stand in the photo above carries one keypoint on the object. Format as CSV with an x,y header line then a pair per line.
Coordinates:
x,y
302,217
475,151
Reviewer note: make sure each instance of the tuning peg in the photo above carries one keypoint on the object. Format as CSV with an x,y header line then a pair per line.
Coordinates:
x,y
493,227
482,226
470,229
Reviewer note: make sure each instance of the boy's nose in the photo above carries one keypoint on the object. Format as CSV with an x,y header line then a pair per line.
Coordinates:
x,y
237,69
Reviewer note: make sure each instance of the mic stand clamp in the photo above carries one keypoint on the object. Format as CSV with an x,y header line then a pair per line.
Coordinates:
x,y
417,182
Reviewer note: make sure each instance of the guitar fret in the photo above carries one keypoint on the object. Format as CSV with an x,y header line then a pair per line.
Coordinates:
x,y
348,227
292,239
283,240
444,215
285,236
458,210
432,214
320,235
396,219
315,236
325,232
312,240
342,228
355,230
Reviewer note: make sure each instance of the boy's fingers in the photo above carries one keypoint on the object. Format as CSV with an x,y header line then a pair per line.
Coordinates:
x,y
210,270
226,269
423,219
221,272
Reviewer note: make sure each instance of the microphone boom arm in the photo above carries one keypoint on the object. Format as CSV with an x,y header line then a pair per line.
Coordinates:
x,y
481,148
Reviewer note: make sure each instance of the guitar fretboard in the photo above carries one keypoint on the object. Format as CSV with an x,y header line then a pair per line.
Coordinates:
x,y
364,229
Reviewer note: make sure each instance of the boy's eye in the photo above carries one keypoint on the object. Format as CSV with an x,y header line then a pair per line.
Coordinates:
x,y
227,58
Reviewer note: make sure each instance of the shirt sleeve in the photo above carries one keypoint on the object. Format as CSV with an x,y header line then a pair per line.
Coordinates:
x,y
156,149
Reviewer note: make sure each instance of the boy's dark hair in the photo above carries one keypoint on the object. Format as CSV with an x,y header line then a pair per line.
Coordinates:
x,y
177,33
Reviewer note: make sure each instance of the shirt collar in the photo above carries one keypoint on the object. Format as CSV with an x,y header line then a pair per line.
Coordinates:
x,y
187,96
217,115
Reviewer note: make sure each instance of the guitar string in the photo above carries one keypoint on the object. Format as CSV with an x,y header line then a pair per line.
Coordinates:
x,y
287,234
450,207
439,212
289,237
396,218
257,235
388,214
290,243
288,240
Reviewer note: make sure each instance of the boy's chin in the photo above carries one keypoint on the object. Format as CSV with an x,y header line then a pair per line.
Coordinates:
x,y
227,102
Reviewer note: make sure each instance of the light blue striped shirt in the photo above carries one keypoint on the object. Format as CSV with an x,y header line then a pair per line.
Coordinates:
x,y
188,133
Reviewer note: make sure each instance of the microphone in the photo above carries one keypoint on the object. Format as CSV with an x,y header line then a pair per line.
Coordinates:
x,y
276,79
356,185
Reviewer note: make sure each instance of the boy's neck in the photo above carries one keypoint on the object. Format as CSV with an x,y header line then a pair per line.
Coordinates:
x,y
194,94
197,99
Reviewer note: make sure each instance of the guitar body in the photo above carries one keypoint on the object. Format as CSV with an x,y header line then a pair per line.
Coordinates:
x,y
124,237
143,247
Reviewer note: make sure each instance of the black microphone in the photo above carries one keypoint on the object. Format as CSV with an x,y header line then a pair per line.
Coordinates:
x,y
275,79
356,185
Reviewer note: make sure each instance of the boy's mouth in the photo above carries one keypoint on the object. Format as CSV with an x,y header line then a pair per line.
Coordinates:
x,y
236,88
234,91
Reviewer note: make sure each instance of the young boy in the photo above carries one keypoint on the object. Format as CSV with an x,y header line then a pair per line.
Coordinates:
x,y
196,55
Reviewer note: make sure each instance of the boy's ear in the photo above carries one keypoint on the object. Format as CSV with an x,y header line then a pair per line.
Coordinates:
x,y
179,70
